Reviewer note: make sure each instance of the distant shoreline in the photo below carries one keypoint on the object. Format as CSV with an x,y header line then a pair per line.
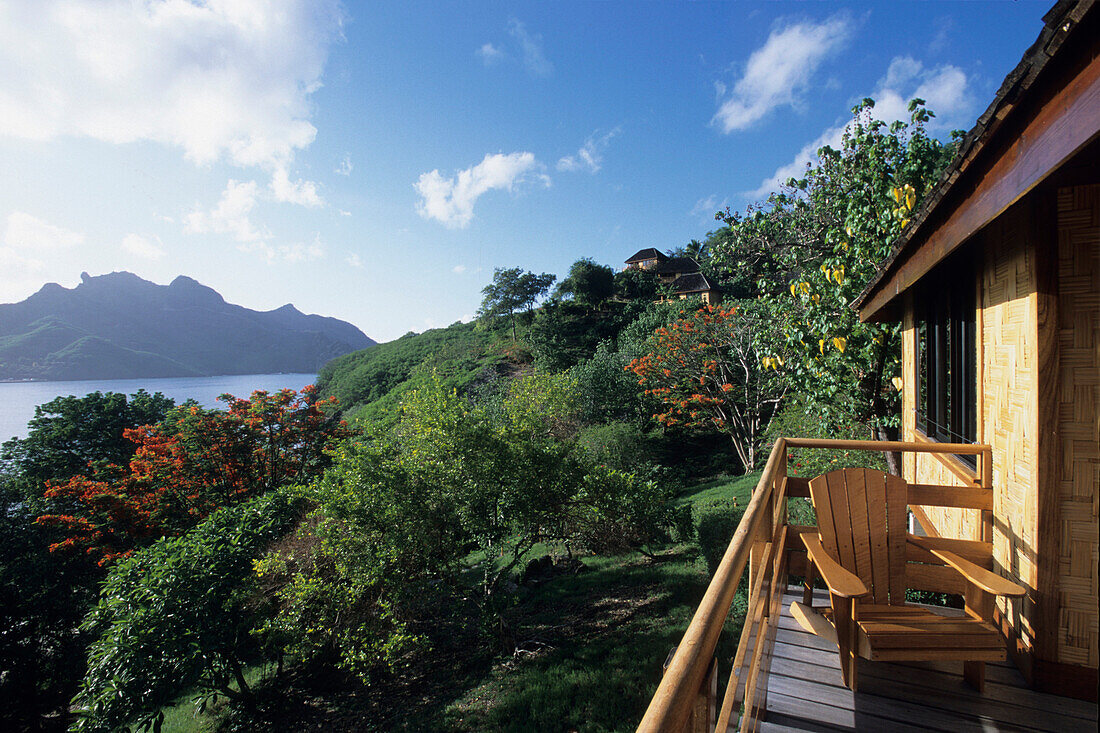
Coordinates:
x,y
35,380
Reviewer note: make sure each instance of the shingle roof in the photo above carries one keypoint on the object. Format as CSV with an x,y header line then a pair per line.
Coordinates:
x,y
650,253
693,282
677,264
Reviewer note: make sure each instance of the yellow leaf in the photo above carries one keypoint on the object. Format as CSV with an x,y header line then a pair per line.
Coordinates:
x,y
817,298
840,343
910,198
821,345
792,289
897,383
904,223
838,275
848,231
897,194
844,246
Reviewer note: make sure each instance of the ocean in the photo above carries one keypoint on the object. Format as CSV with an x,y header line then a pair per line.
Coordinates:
x,y
18,399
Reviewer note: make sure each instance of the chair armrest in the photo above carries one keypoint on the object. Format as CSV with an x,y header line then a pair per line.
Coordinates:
x,y
987,580
841,582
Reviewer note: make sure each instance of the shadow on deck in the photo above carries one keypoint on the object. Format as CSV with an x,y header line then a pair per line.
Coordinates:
x,y
805,693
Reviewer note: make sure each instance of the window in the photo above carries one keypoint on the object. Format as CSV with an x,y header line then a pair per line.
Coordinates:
x,y
947,358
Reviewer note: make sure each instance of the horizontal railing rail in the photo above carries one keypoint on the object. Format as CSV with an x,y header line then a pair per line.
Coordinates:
x,y
762,542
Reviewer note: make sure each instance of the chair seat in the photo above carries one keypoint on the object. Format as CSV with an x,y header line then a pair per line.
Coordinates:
x,y
908,632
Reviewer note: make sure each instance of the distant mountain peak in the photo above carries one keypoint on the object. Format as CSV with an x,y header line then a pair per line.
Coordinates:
x,y
119,325
288,308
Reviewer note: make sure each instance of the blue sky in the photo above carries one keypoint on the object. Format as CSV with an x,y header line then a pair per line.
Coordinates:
x,y
376,161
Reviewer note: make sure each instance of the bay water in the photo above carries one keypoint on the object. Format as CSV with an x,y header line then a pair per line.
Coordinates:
x,y
18,399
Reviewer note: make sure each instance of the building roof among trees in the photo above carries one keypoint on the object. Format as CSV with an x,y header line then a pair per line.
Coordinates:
x,y
650,253
672,265
693,282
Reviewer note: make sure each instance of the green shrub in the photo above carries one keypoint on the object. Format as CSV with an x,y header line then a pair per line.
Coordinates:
x,y
715,522
797,419
180,614
618,445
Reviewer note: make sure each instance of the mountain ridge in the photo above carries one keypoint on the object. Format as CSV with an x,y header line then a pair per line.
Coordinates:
x,y
119,325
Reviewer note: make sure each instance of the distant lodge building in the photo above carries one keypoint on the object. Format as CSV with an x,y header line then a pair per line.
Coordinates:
x,y
683,274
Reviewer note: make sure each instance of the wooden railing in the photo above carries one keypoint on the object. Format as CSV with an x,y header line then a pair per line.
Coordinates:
x,y
686,700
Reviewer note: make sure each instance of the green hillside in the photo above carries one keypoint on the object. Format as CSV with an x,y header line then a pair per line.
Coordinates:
x,y
369,383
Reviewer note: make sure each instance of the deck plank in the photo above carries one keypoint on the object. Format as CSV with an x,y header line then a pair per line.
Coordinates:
x,y
806,693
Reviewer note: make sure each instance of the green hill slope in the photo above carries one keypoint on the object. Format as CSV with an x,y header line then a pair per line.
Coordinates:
x,y
370,382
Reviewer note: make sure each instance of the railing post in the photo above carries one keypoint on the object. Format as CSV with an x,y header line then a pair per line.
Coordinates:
x,y
986,467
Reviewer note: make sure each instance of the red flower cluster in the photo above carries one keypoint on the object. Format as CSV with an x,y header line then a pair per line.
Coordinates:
x,y
184,469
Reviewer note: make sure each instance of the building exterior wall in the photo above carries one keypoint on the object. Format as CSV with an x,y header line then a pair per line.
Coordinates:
x,y
1006,393
1078,417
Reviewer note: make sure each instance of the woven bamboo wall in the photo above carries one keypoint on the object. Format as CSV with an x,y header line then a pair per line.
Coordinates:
x,y
1079,420
1006,393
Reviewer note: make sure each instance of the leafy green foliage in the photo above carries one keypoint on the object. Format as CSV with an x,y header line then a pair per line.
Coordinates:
x,y
636,284
588,284
511,290
181,614
706,372
195,462
370,383
818,243
715,522
454,489
43,597
69,434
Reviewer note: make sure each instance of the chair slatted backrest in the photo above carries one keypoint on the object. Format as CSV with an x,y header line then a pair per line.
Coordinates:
x,y
862,519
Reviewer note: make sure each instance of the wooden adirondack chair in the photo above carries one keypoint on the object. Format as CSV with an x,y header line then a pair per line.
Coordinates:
x,y
860,553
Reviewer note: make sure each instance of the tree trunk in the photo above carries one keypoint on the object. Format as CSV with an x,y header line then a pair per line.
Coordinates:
x,y
893,458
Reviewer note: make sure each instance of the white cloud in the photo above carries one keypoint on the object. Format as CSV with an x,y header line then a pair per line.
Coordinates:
x,y
458,269
797,167
779,72
531,47
945,88
590,155
142,247
24,239
354,260
344,169
23,231
344,213
704,208
303,193
451,200
232,215
220,78
489,54
290,253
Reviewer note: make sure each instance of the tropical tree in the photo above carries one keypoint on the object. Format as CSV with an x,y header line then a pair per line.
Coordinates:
x,y
193,463
182,614
817,243
512,290
69,434
588,283
707,372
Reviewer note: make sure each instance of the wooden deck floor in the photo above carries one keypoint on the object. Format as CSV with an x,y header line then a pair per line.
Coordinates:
x,y
805,693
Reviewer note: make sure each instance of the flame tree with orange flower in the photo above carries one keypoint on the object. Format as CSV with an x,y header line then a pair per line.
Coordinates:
x,y
193,463
708,374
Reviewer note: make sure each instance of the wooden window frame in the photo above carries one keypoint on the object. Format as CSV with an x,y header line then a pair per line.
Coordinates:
x,y
947,357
